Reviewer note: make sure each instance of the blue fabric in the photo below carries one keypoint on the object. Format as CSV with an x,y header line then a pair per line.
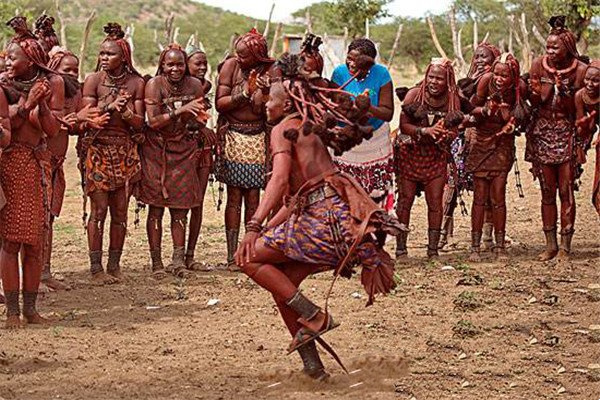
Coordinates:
x,y
378,76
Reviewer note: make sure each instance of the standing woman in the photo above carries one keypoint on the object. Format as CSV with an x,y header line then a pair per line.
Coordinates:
x,y
587,107
198,66
112,164
428,125
169,155
498,108
371,162
481,63
554,79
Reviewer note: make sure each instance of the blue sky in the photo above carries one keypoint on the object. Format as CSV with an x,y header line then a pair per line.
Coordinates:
x,y
283,8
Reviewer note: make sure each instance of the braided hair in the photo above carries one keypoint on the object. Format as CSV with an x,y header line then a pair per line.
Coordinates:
x,y
337,117
520,111
418,111
44,31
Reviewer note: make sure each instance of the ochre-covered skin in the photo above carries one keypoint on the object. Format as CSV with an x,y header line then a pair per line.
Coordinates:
x,y
112,165
240,99
422,159
554,79
25,167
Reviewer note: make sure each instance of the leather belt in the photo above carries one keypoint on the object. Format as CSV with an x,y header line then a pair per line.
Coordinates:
x,y
319,194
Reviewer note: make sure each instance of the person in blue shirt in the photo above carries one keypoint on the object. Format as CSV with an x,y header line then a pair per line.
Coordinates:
x,y
371,162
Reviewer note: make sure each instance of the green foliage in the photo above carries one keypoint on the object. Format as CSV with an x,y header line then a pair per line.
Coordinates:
x,y
215,28
333,17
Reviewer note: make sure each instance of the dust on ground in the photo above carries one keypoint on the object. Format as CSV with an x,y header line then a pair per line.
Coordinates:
x,y
521,330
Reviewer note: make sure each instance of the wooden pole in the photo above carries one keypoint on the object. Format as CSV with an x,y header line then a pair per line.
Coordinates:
x,y
475,35
266,32
63,24
84,42
434,37
395,46
308,21
276,36
526,48
538,35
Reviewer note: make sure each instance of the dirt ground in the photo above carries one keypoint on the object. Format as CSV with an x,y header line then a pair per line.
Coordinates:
x,y
452,330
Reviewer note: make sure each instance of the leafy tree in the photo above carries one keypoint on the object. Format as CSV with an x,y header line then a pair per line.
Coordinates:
x,y
333,17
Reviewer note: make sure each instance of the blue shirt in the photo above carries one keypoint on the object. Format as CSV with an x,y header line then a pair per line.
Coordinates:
x,y
378,76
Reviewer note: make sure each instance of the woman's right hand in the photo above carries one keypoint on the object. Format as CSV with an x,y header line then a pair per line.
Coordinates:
x,y
194,107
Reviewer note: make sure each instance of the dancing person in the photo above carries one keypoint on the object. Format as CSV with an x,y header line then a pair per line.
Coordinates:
x,y
328,221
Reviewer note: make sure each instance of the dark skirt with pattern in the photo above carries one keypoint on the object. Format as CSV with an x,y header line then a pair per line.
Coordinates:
x,y
112,165
24,176
421,162
170,171
321,234
551,141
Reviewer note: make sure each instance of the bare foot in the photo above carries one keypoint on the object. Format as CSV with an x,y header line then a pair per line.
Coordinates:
x,y
102,278
36,319
55,284
402,258
232,267
474,257
159,274
501,255
547,255
116,274
563,255
13,322
488,245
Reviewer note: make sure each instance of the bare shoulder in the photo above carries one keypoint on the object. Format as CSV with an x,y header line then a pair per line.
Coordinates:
x,y
94,79
536,65
581,68
279,129
227,69
194,83
411,95
55,80
138,83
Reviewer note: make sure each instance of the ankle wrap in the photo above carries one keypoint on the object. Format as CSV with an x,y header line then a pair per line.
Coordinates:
x,y
303,306
96,262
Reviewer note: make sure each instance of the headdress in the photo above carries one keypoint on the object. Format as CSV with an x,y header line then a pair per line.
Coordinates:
x,y
115,33
257,45
559,28
25,39
45,33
